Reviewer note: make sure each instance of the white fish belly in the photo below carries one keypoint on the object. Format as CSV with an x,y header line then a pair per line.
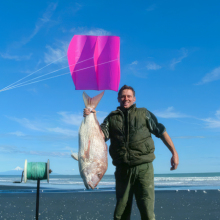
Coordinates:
x,y
92,151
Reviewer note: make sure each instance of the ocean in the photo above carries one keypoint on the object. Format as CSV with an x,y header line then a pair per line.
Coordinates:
x,y
67,183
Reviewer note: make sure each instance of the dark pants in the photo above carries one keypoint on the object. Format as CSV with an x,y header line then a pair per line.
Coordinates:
x,y
138,180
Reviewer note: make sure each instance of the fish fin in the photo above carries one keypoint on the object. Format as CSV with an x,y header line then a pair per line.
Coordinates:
x,y
92,102
74,156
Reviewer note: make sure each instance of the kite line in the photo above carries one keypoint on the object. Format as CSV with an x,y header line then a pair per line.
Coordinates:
x,y
9,87
33,73
23,84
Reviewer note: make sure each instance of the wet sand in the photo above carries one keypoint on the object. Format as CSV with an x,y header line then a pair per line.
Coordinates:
x,y
181,205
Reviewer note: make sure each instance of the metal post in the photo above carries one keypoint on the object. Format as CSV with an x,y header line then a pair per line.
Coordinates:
x,y
37,201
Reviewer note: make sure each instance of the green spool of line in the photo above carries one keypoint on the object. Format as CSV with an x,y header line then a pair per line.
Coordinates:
x,y
36,170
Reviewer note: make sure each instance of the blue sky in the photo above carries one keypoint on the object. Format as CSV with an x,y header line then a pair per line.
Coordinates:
x,y
169,54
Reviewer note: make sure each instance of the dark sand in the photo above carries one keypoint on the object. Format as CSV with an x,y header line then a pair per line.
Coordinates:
x,y
179,205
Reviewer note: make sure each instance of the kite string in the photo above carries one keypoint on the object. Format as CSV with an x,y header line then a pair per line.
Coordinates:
x,y
45,74
32,82
54,76
33,72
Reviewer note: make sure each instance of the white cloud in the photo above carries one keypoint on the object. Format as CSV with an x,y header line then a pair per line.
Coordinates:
x,y
101,116
213,122
67,132
48,13
43,126
60,130
140,69
16,150
41,21
18,168
153,66
18,133
33,90
8,149
169,113
217,114
189,137
76,119
94,31
52,154
60,49
46,17
27,123
151,7
209,77
67,148
134,63
98,32
175,61
73,119
55,53
15,57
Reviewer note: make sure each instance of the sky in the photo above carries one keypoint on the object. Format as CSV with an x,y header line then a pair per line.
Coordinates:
x,y
169,53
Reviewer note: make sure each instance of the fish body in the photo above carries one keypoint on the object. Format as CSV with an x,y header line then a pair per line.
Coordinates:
x,y
92,154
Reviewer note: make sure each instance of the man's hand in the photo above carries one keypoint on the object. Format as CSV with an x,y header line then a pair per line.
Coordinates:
x,y
87,111
174,161
169,143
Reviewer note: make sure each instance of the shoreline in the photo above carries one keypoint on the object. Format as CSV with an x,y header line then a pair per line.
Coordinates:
x,y
15,187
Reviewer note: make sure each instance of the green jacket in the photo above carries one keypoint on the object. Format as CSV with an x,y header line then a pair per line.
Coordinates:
x,y
129,131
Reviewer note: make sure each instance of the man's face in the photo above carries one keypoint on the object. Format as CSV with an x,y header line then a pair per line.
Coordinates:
x,y
127,98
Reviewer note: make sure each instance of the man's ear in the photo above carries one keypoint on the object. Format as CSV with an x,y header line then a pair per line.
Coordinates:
x,y
118,99
134,99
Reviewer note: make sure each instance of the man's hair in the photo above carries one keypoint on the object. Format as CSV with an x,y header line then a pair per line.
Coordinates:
x,y
125,87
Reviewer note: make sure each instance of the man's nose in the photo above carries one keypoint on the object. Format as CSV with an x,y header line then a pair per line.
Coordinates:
x,y
126,98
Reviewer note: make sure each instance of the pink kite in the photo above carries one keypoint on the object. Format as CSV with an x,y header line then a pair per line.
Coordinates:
x,y
94,62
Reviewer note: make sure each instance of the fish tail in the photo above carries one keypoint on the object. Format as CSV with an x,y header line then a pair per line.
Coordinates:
x,y
92,102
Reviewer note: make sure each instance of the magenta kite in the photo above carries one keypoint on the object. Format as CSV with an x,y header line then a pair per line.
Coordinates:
x,y
94,62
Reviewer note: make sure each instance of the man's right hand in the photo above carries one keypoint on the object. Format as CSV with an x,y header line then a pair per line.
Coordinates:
x,y
87,111
174,161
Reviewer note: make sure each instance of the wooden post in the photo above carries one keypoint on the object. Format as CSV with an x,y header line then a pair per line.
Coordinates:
x,y
37,200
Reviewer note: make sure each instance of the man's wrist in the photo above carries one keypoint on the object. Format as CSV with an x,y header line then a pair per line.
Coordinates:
x,y
174,152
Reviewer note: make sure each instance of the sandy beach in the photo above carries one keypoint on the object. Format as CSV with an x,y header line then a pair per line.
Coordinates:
x,y
182,204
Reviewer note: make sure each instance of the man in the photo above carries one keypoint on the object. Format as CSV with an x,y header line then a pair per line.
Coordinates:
x,y
132,149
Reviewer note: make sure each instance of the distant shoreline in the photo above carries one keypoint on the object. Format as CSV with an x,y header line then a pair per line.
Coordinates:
x,y
155,175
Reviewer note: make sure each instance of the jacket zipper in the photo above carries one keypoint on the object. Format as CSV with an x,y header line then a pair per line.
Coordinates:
x,y
123,118
126,137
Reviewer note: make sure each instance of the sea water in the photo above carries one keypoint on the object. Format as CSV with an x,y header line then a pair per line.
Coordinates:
x,y
69,183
